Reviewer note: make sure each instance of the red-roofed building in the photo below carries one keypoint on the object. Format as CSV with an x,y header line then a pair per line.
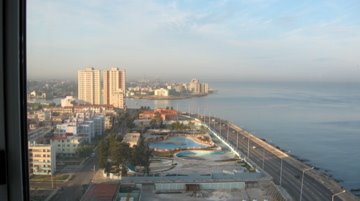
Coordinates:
x,y
165,114
101,192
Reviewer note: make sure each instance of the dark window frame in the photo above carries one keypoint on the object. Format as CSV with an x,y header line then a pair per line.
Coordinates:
x,y
13,121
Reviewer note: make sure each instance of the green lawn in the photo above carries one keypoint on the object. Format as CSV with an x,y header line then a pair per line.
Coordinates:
x,y
59,177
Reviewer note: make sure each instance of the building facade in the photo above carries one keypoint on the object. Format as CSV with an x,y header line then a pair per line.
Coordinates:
x,y
114,87
65,145
161,92
132,139
164,114
204,88
68,101
194,86
89,85
42,159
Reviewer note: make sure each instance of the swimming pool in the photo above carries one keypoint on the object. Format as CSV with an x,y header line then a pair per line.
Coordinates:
x,y
199,153
173,143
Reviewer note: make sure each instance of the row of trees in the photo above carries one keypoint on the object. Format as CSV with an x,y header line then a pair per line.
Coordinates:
x,y
178,126
84,150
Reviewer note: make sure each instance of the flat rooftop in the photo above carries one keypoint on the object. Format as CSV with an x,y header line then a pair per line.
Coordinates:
x,y
101,192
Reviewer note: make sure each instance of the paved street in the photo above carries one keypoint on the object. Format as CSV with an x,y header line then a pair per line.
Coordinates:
x,y
278,164
73,189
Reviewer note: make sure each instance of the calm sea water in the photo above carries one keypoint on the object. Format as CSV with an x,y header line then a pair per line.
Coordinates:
x,y
319,122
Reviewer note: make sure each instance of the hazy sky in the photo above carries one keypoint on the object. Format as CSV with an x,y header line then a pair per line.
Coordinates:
x,y
205,39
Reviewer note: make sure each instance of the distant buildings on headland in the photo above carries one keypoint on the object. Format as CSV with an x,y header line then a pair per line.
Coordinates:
x,y
169,91
198,88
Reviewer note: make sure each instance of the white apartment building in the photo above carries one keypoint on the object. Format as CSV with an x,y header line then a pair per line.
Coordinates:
x,y
42,159
132,139
68,101
65,145
194,86
198,88
204,88
114,87
89,85
69,127
161,92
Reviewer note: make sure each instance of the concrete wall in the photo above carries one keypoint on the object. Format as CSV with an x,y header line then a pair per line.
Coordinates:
x,y
203,186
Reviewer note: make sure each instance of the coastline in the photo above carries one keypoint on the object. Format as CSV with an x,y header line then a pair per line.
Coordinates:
x,y
321,177
277,119
153,97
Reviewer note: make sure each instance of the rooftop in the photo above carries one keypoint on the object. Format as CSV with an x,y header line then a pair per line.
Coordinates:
x,y
100,192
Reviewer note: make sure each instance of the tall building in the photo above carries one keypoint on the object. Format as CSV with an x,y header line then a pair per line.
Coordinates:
x,y
89,85
194,86
114,87
204,89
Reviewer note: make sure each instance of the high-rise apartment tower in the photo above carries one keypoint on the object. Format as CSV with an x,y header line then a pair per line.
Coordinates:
x,y
114,87
89,85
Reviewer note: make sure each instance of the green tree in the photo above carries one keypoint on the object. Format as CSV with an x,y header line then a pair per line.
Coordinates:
x,y
84,150
142,155
102,153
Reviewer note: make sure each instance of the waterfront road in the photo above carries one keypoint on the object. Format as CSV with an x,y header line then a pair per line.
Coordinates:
x,y
286,171
75,188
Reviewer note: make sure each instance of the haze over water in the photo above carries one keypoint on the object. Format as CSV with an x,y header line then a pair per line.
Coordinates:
x,y
319,122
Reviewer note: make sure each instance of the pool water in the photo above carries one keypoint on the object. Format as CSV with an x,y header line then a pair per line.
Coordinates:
x,y
198,153
173,143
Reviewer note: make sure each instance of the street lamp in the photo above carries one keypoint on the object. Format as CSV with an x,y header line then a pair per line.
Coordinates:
x,y
248,148
237,140
302,181
336,194
227,134
281,169
220,127
263,159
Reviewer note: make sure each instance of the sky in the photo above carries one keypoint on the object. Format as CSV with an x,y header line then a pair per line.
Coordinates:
x,y
240,40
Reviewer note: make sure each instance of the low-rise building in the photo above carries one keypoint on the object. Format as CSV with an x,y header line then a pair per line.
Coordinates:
x,y
68,101
165,114
99,109
43,115
57,119
69,127
86,130
42,159
132,139
108,122
84,125
65,145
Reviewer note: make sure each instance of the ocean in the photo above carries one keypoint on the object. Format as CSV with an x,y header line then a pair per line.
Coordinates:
x,y
317,122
